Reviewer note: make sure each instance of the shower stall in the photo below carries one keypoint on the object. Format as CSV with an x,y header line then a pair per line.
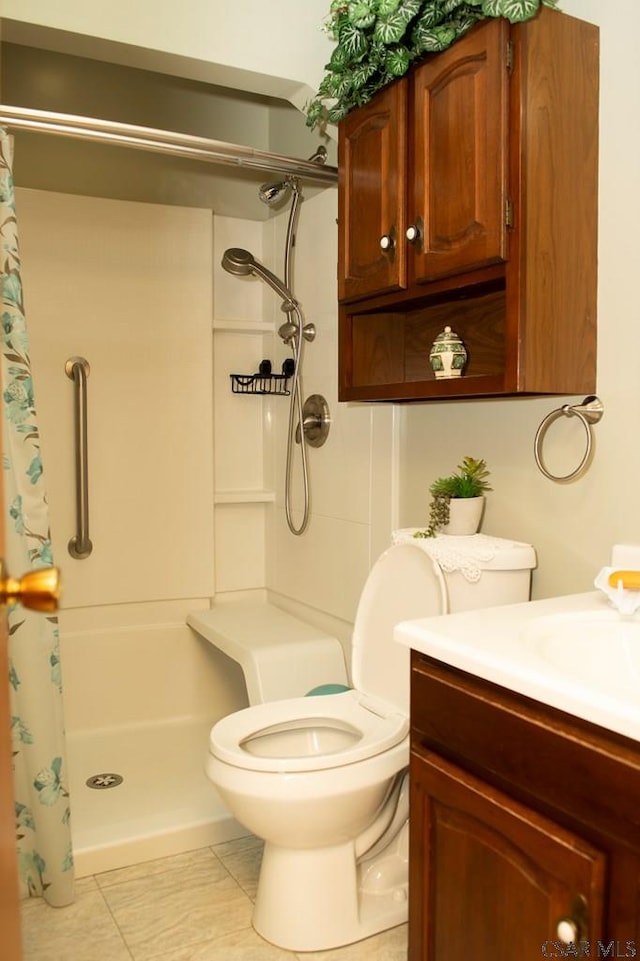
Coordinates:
x,y
176,520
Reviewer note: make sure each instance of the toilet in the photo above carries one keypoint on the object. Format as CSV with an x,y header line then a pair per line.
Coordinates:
x,y
324,779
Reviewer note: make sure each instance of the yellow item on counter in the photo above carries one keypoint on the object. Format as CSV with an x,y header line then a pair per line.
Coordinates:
x,y
630,580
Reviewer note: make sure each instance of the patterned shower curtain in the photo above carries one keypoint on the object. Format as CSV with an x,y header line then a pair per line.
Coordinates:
x,y
45,859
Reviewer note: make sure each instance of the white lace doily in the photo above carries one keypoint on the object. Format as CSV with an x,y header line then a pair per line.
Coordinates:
x,y
452,553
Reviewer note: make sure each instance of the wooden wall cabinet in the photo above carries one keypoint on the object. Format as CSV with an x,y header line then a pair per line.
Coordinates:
x,y
468,198
524,827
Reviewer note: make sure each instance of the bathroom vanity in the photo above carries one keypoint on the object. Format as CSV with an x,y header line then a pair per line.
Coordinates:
x,y
525,814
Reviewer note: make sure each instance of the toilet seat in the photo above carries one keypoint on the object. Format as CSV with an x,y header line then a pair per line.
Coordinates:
x,y
308,733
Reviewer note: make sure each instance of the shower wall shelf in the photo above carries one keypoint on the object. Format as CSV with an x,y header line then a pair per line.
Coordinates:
x,y
244,327
264,381
244,497
259,384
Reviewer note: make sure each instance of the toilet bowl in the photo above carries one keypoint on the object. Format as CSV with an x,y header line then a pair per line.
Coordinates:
x,y
323,780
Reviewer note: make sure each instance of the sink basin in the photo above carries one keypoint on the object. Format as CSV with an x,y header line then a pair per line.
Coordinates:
x,y
601,649
575,653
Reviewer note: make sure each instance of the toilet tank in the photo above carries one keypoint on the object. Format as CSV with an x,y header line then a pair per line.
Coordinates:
x,y
496,571
479,570
460,574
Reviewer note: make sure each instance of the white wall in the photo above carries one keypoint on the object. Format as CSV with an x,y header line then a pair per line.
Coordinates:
x,y
276,48
572,525
128,287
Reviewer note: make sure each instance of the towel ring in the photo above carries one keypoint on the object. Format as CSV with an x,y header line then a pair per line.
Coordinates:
x,y
588,412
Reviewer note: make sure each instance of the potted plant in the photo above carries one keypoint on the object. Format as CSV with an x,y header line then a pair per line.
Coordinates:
x,y
377,40
466,489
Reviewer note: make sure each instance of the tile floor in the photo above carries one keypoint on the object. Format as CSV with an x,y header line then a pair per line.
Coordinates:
x,y
191,907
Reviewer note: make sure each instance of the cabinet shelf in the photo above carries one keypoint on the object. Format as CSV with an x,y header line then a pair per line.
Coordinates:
x,y
389,346
456,388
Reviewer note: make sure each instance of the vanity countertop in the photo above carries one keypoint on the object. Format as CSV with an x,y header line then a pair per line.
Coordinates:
x,y
574,653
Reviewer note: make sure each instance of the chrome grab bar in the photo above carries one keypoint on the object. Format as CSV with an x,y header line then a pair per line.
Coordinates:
x,y
77,369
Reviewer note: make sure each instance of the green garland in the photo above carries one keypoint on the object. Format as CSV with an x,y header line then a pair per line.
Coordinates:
x,y
377,40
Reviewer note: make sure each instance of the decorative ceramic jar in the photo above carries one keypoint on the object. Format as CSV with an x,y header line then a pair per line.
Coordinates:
x,y
448,354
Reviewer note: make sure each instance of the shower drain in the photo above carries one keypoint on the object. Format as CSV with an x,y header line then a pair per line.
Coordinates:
x,y
102,781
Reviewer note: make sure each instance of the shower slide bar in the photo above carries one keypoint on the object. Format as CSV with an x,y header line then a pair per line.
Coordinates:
x,y
77,369
163,141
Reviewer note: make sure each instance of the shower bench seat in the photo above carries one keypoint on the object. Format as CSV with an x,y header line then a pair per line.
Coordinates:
x,y
280,655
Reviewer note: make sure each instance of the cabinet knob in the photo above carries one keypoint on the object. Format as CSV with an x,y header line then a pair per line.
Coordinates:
x,y
387,241
415,232
568,931
574,926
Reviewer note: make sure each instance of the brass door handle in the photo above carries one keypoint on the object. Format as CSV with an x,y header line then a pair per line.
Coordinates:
x,y
37,590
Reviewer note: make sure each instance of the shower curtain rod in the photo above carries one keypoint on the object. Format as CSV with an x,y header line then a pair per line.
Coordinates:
x,y
163,141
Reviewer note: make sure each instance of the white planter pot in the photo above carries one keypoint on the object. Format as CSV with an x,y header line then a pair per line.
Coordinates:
x,y
465,514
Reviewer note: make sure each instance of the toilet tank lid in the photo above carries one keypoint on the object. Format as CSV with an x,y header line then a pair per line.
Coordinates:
x,y
476,552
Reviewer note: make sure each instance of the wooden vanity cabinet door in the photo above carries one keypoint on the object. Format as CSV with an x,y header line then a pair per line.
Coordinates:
x,y
490,878
458,179
372,149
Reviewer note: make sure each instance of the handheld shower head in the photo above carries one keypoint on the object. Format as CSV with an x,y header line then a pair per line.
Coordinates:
x,y
237,261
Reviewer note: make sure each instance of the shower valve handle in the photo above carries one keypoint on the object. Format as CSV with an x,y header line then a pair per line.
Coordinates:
x,y
36,590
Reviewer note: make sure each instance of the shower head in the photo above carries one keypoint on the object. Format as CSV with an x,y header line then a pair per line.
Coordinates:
x,y
272,193
240,262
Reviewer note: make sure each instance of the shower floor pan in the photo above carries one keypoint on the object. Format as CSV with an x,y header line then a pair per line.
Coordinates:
x,y
164,805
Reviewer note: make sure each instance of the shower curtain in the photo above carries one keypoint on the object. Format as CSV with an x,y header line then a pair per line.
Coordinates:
x,y
45,860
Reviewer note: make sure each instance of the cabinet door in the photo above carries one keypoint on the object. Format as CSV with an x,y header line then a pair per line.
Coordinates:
x,y
491,879
458,184
372,196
